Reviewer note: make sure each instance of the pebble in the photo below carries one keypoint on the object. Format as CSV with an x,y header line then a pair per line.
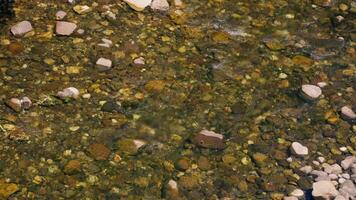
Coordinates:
x,y
339,197
290,198
15,104
348,188
99,151
106,43
65,28
209,139
306,169
103,64
172,188
7,189
72,167
21,28
297,193
60,15
333,176
347,113
139,61
160,5
299,149
70,92
311,92
81,9
26,103
347,162
130,146
333,169
341,180
321,159
324,190
138,5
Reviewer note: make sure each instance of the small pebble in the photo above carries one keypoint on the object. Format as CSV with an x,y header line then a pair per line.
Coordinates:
x,y
299,149
103,64
70,92
60,15
21,28
311,92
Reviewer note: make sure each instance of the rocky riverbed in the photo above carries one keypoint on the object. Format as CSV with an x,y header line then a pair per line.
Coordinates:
x,y
178,99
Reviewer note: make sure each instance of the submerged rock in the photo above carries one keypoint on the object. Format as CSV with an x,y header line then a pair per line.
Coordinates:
x,y
60,15
209,139
138,5
130,146
7,189
311,92
70,92
99,151
299,149
21,28
103,64
160,5
15,104
324,190
348,114
65,28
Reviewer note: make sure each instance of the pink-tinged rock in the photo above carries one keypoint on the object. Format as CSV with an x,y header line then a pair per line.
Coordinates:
x,y
21,28
15,104
139,61
70,92
26,103
160,5
103,64
311,92
209,139
60,15
348,161
324,190
333,169
290,198
347,113
139,143
65,28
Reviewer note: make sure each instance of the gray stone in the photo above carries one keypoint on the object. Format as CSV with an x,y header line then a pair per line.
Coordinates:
x,y
160,5
103,64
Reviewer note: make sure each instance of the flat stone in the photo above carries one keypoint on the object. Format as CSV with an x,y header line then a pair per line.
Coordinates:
x,y
324,190
103,64
72,167
65,28
81,9
348,161
21,28
160,5
299,149
311,92
209,139
138,5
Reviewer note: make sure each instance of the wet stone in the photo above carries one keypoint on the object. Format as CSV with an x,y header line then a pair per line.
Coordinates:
x,y
72,167
81,9
15,104
155,86
21,28
138,5
111,106
65,28
160,5
60,15
311,92
103,64
348,114
347,162
183,164
324,190
7,189
299,149
130,146
68,93
99,151
209,139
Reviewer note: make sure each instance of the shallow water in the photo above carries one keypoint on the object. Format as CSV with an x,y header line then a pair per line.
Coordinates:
x,y
232,67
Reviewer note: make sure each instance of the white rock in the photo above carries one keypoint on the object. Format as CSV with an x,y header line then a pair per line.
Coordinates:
x,y
324,190
341,180
321,159
26,103
160,5
139,61
70,92
348,161
316,163
60,15
311,92
138,5
322,84
65,28
103,64
348,113
306,169
106,43
21,28
340,197
348,188
333,169
139,143
299,149
346,176
333,176
343,149
178,3
297,193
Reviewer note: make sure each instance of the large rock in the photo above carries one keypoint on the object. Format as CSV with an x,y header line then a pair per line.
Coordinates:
x,y
209,139
21,28
299,149
65,28
138,5
324,190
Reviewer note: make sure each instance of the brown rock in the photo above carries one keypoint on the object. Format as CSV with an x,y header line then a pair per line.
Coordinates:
x,y
72,167
155,86
15,48
209,139
7,189
99,151
15,104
